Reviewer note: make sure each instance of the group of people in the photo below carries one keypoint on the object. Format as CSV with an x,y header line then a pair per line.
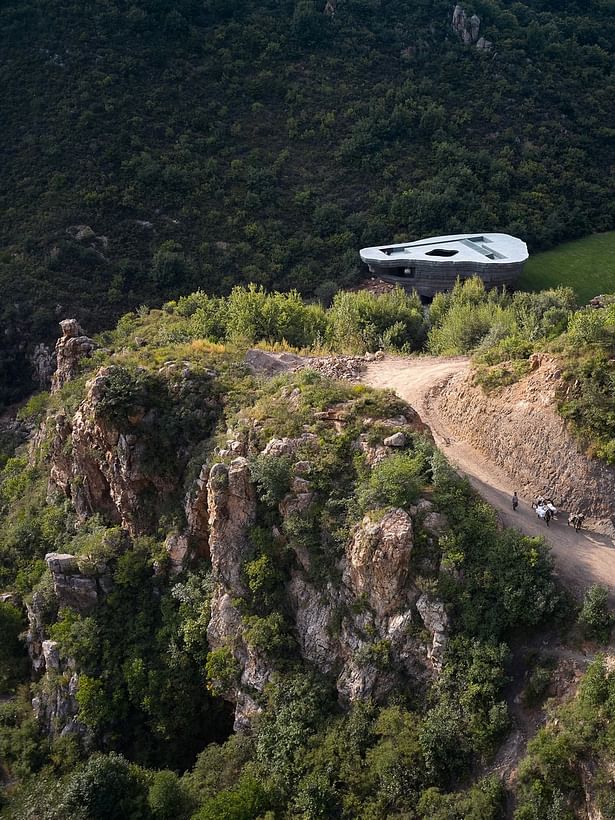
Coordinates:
x,y
546,510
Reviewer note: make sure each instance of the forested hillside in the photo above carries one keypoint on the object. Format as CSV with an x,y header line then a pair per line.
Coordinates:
x,y
155,147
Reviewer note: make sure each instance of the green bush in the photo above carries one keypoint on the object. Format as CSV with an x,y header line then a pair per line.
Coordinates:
x,y
271,474
222,670
363,321
247,800
107,787
394,482
168,798
13,658
269,633
537,685
595,617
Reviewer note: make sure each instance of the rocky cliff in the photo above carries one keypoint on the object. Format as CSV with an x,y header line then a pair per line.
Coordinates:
x,y
518,428
122,453
362,619
299,567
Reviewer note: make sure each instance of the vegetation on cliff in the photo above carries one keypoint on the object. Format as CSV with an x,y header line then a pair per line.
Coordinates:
x,y
138,642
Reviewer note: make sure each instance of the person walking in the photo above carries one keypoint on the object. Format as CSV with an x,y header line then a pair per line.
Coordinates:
x,y
515,501
548,516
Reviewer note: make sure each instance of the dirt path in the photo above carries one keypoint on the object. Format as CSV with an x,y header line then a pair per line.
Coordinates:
x,y
581,559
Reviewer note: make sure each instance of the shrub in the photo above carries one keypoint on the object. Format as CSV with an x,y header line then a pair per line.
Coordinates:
x,y
169,264
595,617
35,408
268,633
13,658
466,325
167,798
364,321
107,787
222,670
124,391
537,686
219,766
394,482
272,477
246,801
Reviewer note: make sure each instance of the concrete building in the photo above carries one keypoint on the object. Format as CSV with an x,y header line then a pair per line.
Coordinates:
x,y
433,264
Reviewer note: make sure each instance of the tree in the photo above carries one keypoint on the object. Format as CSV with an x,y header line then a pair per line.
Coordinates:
x,y
107,787
13,658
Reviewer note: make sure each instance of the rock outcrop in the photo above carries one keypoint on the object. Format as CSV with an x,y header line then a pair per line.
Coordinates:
x,y
519,429
73,588
43,362
56,677
467,29
107,469
435,619
377,562
358,625
344,368
55,706
71,347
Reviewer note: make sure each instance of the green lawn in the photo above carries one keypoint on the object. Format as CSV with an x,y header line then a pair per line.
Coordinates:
x,y
587,265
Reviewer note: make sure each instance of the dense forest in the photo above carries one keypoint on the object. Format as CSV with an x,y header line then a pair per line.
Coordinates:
x,y
155,147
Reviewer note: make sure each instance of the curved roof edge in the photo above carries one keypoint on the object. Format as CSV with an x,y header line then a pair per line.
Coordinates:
x,y
485,248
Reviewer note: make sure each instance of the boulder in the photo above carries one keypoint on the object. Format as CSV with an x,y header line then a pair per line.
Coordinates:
x,y
396,440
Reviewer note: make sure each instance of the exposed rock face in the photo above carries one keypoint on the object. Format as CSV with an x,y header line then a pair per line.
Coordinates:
x,y
43,364
51,655
75,590
55,704
378,561
177,546
468,29
436,621
104,469
519,429
359,629
71,347
197,514
232,511
35,637
56,707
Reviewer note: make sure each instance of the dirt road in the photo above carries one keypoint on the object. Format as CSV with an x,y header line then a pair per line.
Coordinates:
x,y
581,559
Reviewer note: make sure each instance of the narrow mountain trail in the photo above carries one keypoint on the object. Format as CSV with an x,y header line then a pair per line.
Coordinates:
x,y
581,559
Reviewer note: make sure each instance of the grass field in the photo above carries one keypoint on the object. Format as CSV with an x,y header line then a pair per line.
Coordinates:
x,y
587,265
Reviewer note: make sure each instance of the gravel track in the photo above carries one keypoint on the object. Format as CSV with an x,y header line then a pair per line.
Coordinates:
x,y
581,559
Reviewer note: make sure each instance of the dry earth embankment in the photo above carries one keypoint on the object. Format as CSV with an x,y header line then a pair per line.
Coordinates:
x,y
518,428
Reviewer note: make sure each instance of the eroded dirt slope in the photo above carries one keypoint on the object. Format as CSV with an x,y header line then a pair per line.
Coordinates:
x,y
513,442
